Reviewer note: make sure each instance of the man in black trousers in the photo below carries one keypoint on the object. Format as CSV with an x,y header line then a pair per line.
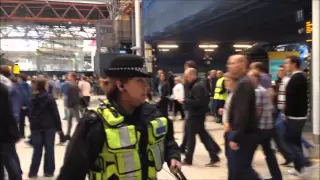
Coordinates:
x,y
196,103
243,138
9,136
183,146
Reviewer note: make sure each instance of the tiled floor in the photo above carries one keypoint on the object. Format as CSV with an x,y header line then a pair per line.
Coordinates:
x,y
196,172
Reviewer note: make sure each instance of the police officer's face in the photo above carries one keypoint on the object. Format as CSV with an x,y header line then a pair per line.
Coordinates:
x,y
137,88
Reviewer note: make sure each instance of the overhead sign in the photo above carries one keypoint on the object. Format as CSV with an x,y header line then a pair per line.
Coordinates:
x,y
299,15
308,27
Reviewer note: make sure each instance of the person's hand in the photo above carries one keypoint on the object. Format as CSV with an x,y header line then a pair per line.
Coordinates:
x,y
220,111
174,165
181,101
284,117
233,145
226,127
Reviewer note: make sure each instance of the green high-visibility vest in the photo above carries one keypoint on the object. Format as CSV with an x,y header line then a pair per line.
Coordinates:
x,y
120,154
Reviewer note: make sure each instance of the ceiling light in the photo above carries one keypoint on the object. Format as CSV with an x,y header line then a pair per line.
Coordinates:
x,y
242,46
168,46
164,50
208,50
205,46
238,50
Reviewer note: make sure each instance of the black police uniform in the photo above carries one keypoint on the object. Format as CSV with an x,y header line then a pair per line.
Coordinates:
x,y
89,136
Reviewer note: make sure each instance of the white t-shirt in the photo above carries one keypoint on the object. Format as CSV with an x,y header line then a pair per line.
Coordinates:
x,y
178,91
225,117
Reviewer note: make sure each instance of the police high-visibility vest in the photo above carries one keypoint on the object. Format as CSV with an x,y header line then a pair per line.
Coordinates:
x,y
218,89
16,69
120,154
10,68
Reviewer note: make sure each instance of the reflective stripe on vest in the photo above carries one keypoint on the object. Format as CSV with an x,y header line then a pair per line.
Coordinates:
x,y
218,89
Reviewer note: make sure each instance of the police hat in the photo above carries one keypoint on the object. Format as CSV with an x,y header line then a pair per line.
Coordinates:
x,y
127,65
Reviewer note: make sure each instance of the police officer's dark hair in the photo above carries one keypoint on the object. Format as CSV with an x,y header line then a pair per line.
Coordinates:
x,y
294,60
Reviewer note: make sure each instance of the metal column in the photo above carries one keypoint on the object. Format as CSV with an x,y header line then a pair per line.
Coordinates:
x,y
137,10
315,69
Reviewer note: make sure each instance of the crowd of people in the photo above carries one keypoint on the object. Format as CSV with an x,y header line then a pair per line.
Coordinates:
x,y
34,98
126,137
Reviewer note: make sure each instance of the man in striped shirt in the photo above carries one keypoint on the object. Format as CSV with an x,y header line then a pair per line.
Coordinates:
x,y
266,124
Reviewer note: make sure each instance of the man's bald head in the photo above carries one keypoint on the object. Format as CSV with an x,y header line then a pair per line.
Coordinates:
x,y
190,74
5,71
191,71
213,74
219,73
240,58
237,65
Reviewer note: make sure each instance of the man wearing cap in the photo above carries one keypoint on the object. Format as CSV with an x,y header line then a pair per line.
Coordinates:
x,y
125,137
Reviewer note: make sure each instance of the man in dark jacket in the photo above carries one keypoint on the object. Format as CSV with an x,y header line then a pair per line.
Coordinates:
x,y
9,135
196,103
73,101
183,146
26,96
171,85
211,81
243,138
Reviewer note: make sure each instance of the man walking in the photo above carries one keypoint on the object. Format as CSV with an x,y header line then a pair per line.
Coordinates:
x,y
196,103
243,138
296,112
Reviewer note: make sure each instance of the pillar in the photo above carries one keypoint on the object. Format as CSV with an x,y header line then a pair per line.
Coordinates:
x,y
137,10
148,57
132,20
315,69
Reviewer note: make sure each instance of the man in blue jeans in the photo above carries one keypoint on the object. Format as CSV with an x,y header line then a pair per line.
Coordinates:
x,y
10,161
296,114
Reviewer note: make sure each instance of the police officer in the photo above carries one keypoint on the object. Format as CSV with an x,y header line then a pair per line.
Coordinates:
x,y
124,137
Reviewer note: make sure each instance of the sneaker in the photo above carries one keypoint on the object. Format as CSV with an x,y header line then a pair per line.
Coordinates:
x,y
305,172
294,172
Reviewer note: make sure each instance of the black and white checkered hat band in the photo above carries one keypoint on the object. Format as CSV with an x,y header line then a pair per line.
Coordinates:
x,y
138,69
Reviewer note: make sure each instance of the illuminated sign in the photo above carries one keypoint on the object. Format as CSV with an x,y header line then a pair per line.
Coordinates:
x,y
308,27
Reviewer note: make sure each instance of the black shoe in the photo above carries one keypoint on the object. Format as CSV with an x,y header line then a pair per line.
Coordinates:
x,y
182,150
286,163
212,163
48,175
67,137
33,176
